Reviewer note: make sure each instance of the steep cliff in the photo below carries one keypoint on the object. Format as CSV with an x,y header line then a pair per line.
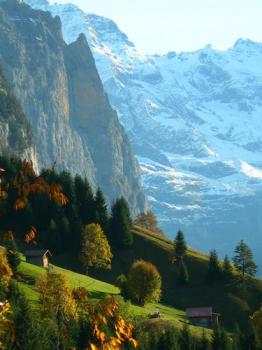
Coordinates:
x,y
62,95
194,120
16,136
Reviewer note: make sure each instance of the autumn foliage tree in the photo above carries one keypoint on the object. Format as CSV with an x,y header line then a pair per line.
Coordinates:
x,y
11,251
148,220
5,271
6,325
144,282
58,315
24,183
96,251
55,295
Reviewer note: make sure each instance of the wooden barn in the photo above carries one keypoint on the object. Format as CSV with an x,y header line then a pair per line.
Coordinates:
x,y
202,316
38,257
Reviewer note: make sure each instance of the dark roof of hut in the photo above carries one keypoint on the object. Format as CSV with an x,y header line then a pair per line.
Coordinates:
x,y
37,253
199,311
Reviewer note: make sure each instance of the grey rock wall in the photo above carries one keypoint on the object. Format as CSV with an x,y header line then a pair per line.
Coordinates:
x,y
61,93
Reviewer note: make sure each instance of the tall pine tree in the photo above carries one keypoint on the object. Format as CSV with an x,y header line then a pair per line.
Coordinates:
x,y
85,201
180,246
102,215
214,269
243,260
121,225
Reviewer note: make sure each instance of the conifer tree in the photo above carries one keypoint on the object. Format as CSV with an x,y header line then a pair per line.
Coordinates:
x,y
52,237
237,338
183,273
65,233
243,260
214,269
26,330
227,268
102,215
85,201
121,225
204,343
180,246
168,340
250,339
220,340
185,340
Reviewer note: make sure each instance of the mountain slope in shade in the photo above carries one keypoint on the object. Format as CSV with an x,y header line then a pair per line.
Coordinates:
x,y
16,137
61,93
195,122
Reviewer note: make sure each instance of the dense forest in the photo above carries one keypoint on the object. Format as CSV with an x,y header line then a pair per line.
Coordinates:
x,y
62,213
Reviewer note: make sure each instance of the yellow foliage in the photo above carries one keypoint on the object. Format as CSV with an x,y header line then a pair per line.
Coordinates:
x,y
144,282
96,251
80,295
5,270
6,326
56,295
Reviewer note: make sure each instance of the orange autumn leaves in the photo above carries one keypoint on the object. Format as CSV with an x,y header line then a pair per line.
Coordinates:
x,y
6,325
109,330
26,182
122,332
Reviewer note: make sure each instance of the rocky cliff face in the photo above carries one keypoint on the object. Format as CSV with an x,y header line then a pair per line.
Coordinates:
x,y
62,95
194,120
16,136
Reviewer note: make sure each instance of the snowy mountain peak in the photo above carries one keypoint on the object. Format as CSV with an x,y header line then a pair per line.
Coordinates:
x,y
107,29
195,122
37,3
247,43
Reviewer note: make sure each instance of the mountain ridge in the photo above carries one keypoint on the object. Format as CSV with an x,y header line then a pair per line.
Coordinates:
x,y
38,66
193,119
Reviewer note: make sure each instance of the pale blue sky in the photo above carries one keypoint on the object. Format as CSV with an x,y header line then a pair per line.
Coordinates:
x,y
159,26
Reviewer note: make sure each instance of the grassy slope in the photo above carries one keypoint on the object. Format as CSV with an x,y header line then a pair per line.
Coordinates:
x,y
234,304
97,290
228,299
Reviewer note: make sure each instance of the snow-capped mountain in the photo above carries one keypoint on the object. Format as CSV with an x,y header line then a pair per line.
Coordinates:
x,y
195,123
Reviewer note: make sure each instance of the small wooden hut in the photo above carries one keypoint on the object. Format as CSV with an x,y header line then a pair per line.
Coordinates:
x,y
202,316
38,257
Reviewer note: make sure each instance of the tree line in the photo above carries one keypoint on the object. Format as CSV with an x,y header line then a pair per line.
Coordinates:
x,y
104,233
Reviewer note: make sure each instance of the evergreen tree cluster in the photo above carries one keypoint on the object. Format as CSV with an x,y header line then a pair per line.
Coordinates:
x,y
171,338
59,228
242,262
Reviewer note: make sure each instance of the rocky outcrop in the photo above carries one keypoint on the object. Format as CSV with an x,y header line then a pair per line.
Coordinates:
x,y
16,138
61,93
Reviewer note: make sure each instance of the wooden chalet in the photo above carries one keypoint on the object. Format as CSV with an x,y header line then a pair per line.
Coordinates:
x,y
38,257
202,316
